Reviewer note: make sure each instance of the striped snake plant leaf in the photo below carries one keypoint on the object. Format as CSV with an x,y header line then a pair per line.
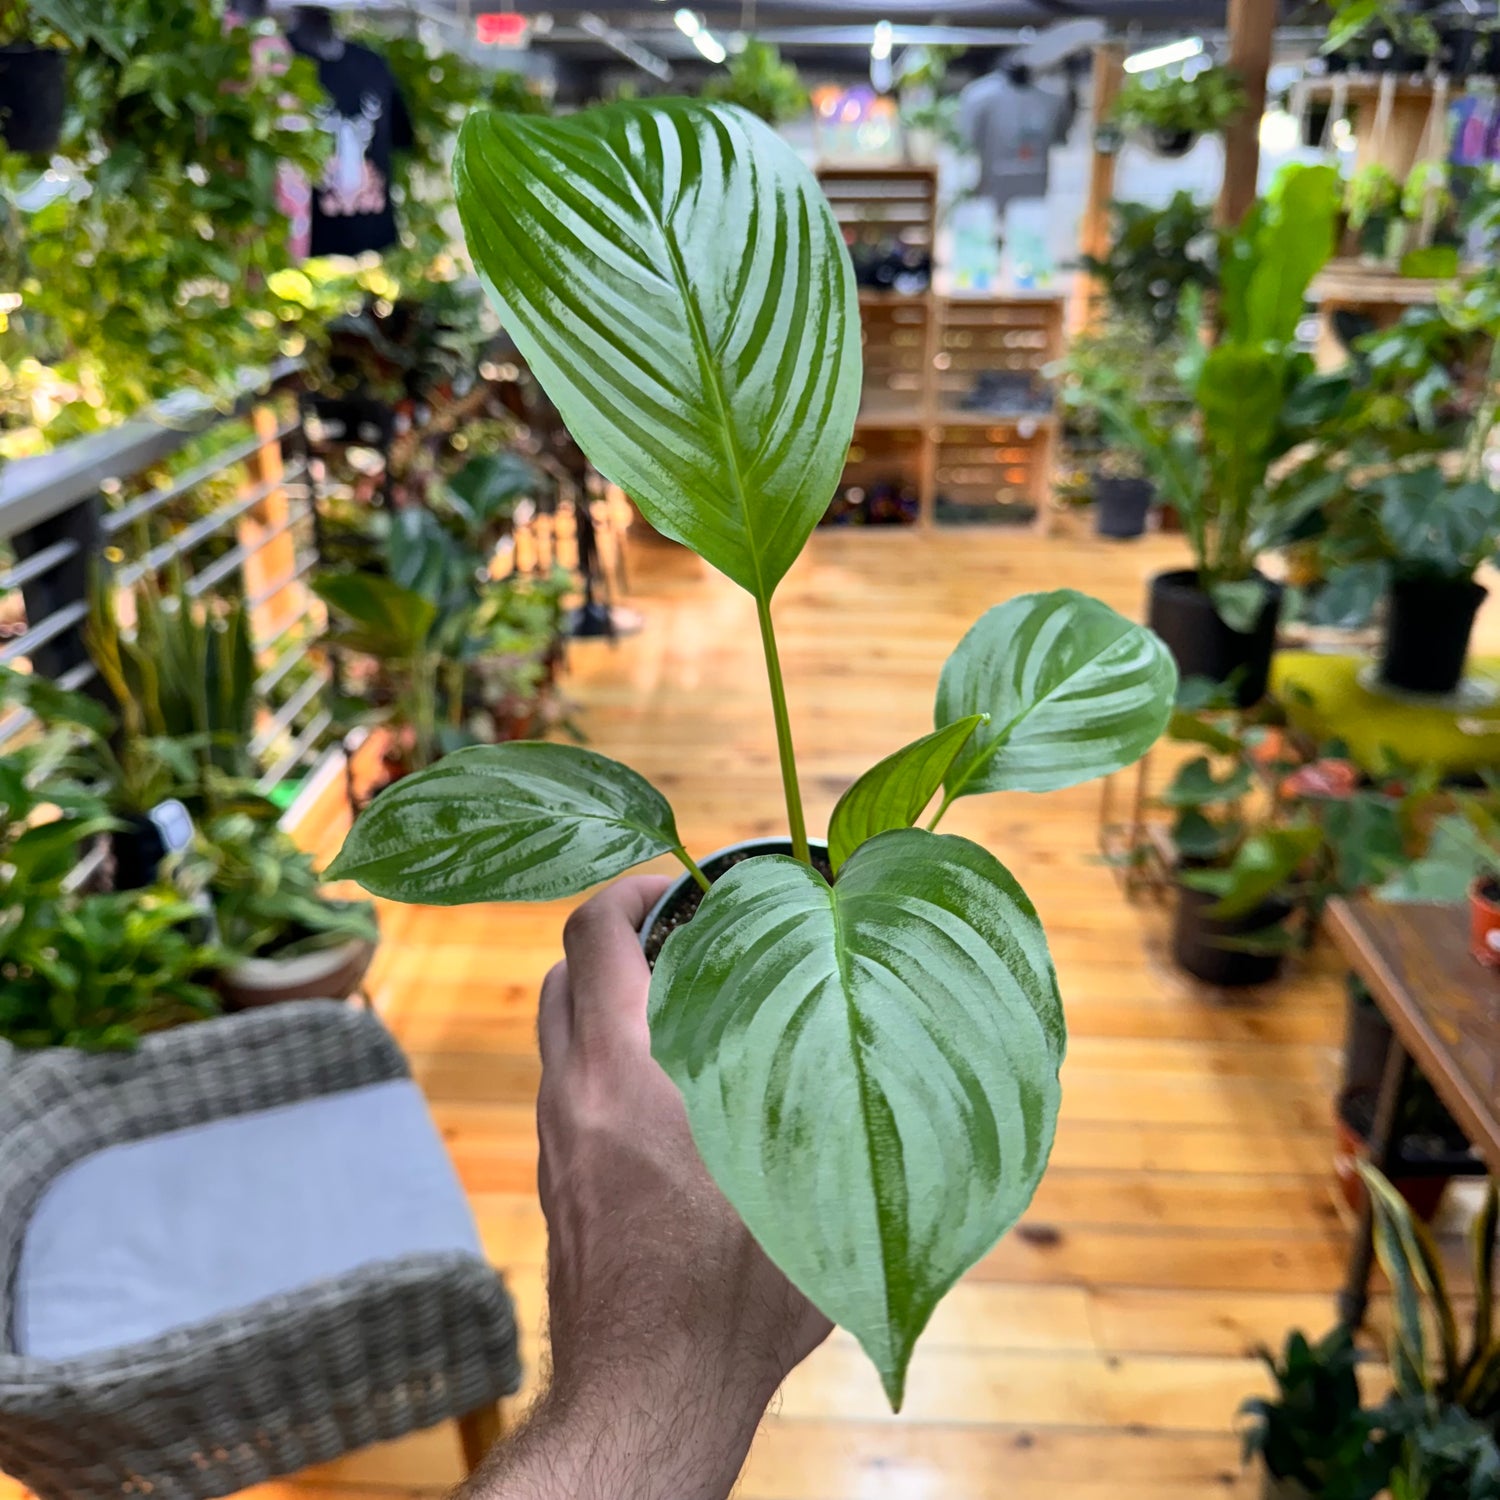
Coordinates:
x,y
1073,691
523,821
676,280
892,793
870,1069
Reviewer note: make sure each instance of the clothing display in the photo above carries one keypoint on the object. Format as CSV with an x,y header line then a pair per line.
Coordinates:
x,y
367,119
1012,123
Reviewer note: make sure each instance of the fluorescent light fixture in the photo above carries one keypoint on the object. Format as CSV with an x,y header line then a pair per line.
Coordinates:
x,y
1164,57
709,45
688,23
880,47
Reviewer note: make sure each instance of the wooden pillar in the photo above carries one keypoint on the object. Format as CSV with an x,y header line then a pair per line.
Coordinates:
x,y
1093,231
1252,25
276,561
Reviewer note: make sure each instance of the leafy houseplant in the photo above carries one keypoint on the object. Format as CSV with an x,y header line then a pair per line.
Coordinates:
x,y
1315,1438
271,915
1394,34
1176,108
1462,863
1372,202
1255,396
758,80
881,1108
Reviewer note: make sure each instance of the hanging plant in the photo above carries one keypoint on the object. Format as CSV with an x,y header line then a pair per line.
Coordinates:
x,y
1175,109
758,80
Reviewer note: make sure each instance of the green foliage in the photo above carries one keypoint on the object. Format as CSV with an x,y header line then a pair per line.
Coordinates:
x,y
519,822
264,890
1154,256
700,423
1315,1432
677,284
786,1005
1357,20
1432,526
1373,192
154,199
1464,845
1257,397
1206,101
758,80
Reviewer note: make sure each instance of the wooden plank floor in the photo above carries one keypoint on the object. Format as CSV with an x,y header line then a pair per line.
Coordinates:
x,y
1103,1348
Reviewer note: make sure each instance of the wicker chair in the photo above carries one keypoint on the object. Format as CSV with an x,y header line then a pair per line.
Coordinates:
x,y
297,1378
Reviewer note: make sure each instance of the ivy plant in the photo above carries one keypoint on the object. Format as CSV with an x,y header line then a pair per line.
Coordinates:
x,y
870,1064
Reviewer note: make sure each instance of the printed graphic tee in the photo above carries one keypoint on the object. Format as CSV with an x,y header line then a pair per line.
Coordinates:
x,y
1012,127
365,116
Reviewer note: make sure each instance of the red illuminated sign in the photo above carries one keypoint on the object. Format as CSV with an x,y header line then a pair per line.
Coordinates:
x,y
501,28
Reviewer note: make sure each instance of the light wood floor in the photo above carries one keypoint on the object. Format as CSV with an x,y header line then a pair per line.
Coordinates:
x,y
1102,1349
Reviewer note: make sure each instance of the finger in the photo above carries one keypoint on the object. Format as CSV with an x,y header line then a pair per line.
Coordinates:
x,y
607,972
554,1016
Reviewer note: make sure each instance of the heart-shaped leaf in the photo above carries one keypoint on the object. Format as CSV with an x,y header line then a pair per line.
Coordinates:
x,y
893,793
524,821
870,1069
676,280
1072,689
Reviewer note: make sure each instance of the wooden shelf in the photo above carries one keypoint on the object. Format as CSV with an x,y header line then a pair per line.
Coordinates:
x,y
1027,422
1360,88
1349,284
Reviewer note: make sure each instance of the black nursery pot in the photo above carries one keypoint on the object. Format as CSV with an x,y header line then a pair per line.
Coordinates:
x,y
1202,645
33,93
680,901
1122,505
1198,940
139,849
1427,628
1172,143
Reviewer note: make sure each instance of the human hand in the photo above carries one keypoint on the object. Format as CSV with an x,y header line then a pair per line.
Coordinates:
x,y
670,1328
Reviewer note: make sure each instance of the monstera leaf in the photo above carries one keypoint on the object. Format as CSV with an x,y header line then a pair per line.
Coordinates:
x,y
524,821
1072,690
870,1069
674,277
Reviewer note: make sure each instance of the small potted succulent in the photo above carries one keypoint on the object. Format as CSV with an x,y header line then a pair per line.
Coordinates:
x,y
882,1108
282,937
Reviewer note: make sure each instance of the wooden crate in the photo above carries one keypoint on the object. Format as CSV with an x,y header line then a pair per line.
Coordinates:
x,y
898,333
977,334
994,470
873,203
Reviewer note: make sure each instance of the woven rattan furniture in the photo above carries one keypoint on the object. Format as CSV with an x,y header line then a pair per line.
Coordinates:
x,y
289,1380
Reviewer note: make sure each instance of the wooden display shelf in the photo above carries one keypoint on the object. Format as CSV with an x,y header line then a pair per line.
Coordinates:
x,y
1359,88
1345,283
900,202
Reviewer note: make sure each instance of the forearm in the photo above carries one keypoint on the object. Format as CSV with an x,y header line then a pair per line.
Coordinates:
x,y
645,1438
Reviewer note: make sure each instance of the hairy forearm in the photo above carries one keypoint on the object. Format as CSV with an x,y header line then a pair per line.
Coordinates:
x,y
647,1438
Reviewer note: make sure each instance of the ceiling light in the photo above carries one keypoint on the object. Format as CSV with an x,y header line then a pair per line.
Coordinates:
x,y
688,23
880,47
1164,57
709,45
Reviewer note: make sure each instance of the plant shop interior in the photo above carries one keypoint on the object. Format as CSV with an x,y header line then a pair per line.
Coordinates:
x,y
751,748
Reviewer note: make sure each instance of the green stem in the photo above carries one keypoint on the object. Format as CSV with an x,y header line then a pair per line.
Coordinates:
x,y
794,815
692,866
943,807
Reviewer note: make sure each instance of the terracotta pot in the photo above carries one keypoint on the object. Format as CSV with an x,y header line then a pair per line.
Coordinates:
x,y
1484,921
1423,1195
325,974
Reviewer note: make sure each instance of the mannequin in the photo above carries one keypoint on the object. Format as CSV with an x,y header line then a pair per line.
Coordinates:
x,y
1012,123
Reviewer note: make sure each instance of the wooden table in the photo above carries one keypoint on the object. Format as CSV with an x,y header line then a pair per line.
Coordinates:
x,y
1444,1011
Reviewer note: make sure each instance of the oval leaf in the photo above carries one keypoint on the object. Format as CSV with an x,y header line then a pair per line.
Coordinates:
x,y
1073,691
870,1069
524,821
893,793
674,277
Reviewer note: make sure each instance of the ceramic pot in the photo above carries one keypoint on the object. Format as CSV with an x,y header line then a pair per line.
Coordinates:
x,y
1484,921
324,974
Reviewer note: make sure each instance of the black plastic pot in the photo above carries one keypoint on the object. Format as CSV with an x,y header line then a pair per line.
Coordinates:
x,y
681,899
1172,142
33,95
1122,505
139,849
1462,51
1183,615
1198,940
1427,629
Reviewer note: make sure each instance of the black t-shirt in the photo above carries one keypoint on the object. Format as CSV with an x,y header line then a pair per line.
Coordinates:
x,y
367,119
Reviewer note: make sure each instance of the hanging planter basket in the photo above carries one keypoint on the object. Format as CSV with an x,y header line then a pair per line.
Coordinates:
x,y
1172,143
33,97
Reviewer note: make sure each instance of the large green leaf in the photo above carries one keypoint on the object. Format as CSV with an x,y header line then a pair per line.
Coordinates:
x,y
1072,689
378,616
676,281
524,821
893,793
870,1069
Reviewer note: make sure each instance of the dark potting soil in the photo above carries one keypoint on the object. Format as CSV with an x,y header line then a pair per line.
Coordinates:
x,y
1489,890
684,907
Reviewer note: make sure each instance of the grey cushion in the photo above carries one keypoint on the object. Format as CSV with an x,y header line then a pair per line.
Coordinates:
x,y
139,1239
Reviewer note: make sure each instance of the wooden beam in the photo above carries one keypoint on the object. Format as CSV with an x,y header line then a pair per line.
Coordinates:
x,y
1093,231
1252,25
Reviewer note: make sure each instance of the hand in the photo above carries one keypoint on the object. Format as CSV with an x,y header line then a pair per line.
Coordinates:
x,y
670,1328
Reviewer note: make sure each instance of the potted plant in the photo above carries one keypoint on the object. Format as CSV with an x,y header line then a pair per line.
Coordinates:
x,y
1238,867
919,977
758,80
1174,109
283,939
1372,202
33,75
1392,36
1315,1439
1255,396
1462,863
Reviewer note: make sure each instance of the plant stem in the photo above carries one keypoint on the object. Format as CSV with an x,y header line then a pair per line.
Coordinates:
x,y
943,807
795,819
692,866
